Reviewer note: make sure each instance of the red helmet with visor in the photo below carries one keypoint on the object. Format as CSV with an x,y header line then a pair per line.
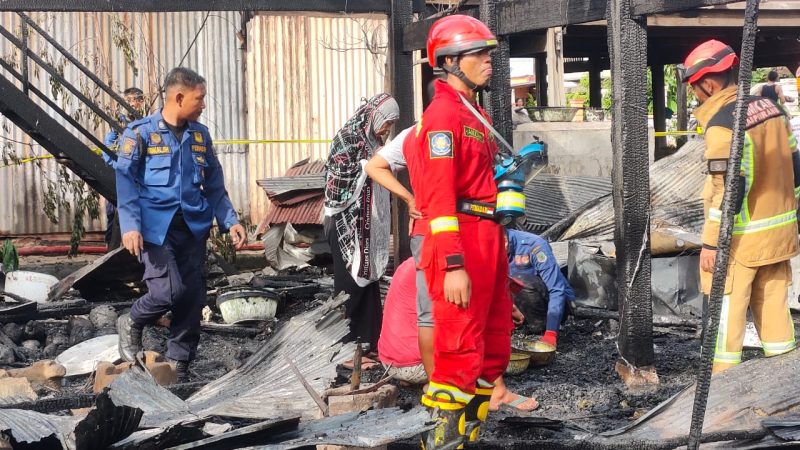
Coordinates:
x,y
709,57
456,35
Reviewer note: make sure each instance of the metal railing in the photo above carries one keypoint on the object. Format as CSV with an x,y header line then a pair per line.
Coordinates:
x,y
22,76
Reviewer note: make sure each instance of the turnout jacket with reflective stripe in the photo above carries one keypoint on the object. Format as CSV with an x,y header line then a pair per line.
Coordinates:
x,y
765,229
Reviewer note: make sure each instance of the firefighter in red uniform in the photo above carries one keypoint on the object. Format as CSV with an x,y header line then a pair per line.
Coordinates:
x,y
451,165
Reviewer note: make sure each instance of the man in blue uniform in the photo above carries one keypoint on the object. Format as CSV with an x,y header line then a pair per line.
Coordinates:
x,y
170,188
135,98
544,289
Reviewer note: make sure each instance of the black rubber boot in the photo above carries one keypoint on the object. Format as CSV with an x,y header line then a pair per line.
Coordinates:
x,y
449,431
181,370
130,337
475,413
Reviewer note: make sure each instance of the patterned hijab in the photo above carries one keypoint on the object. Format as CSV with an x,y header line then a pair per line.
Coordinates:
x,y
356,141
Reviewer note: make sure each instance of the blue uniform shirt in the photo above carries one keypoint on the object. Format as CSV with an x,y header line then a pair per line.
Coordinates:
x,y
157,176
530,255
112,141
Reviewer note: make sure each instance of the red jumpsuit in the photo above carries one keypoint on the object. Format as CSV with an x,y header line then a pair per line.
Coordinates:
x,y
451,159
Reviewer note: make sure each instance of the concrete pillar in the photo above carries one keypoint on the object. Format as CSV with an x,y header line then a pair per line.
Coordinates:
x,y
555,67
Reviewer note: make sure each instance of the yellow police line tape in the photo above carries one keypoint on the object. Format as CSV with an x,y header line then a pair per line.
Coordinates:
x,y
676,133
217,142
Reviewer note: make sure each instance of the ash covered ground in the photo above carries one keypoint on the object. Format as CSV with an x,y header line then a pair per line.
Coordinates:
x,y
580,387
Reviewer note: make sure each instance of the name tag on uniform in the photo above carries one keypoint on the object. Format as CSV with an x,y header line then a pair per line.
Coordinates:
x,y
199,148
522,260
158,150
473,133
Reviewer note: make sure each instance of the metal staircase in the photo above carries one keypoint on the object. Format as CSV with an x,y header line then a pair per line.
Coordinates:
x,y
19,105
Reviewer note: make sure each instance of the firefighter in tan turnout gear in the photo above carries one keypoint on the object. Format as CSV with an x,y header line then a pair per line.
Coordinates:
x,y
765,226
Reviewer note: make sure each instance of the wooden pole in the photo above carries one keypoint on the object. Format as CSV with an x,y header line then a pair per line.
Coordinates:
x,y
403,91
627,42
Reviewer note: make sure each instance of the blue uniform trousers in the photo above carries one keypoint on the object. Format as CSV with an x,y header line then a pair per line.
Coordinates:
x,y
176,281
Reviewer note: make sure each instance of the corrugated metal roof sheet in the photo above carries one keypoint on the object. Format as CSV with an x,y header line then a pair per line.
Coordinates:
x,y
308,212
675,185
549,198
264,386
283,185
298,196
370,429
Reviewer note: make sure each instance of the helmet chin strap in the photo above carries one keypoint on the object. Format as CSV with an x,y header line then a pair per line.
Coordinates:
x,y
456,70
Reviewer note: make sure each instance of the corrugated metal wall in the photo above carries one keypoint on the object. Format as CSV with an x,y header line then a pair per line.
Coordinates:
x,y
157,43
306,74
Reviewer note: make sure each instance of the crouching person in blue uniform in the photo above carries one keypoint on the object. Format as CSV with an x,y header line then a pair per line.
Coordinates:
x,y
542,291
170,188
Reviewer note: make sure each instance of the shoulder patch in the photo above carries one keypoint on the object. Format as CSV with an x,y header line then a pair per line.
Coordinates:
x,y
440,144
717,166
128,146
541,257
474,134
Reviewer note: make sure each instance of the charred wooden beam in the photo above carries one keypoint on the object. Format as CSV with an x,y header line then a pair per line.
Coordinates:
x,y
329,6
518,16
627,39
527,15
403,91
500,95
683,109
415,34
540,67
595,84
659,109
646,7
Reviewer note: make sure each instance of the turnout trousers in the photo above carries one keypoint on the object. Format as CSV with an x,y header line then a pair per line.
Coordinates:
x,y
763,290
475,342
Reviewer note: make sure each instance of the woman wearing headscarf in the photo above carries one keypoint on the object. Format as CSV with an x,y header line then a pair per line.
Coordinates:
x,y
356,222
